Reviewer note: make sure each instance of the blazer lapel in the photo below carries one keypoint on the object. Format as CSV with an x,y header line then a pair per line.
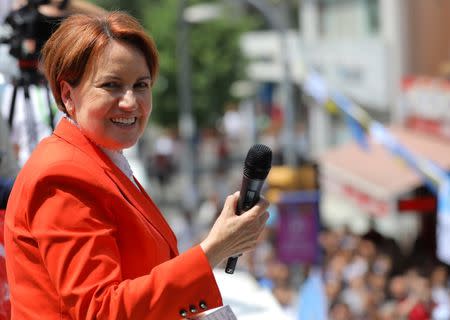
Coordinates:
x,y
137,198
144,205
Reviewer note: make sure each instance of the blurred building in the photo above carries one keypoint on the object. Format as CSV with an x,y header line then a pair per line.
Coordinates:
x,y
376,52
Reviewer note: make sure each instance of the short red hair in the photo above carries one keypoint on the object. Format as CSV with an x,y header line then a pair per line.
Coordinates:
x,y
69,51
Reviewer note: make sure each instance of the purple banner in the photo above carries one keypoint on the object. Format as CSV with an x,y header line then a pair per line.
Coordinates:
x,y
298,227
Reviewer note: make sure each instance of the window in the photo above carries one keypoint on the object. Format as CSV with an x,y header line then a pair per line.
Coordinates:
x,y
348,18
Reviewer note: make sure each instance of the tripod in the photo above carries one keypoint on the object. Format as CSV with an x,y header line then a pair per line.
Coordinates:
x,y
27,106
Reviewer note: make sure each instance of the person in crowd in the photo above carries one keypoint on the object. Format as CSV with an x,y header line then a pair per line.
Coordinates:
x,y
5,189
8,164
418,304
440,292
340,311
163,158
83,239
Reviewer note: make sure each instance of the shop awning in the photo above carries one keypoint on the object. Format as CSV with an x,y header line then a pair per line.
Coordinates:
x,y
376,173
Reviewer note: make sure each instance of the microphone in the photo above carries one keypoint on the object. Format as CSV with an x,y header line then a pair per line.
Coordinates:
x,y
256,168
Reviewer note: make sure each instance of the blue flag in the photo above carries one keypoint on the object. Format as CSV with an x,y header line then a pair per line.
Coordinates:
x,y
313,303
443,223
315,86
356,119
432,174
358,133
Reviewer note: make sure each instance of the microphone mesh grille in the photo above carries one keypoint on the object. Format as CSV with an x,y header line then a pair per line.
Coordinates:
x,y
258,162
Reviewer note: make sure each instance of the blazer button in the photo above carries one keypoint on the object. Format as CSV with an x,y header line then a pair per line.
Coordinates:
x,y
203,305
183,313
193,309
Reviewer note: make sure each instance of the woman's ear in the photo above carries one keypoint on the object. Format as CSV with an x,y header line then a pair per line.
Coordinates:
x,y
66,97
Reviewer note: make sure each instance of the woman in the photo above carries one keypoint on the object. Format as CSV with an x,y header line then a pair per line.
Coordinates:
x,y
83,239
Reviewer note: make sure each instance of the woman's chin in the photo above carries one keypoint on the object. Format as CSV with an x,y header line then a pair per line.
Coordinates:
x,y
122,145
116,145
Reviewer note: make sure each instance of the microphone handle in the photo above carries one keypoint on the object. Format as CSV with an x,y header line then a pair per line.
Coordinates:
x,y
249,196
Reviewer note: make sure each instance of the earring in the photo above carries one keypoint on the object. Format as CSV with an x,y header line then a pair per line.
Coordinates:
x,y
68,106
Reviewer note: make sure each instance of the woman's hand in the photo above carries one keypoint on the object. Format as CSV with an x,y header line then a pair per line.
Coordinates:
x,y
232,234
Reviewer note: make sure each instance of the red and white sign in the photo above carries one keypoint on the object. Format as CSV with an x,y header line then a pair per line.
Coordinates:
x,y
427,105
366,201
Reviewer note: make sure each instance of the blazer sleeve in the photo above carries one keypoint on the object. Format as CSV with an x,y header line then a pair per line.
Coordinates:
x,y
75,232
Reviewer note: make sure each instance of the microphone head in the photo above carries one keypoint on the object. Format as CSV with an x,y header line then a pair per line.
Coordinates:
x,y
258,162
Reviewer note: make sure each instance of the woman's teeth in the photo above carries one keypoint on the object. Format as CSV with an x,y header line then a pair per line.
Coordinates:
x,y
124,120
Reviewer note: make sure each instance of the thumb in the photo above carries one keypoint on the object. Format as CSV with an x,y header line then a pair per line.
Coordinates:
x,y
230,205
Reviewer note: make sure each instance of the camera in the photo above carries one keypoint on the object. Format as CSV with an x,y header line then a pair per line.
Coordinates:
x,y
30,30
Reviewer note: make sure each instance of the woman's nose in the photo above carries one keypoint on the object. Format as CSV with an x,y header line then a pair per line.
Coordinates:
x,y
128,100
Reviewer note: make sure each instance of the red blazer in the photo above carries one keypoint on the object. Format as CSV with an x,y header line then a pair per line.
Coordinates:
x,y
82,242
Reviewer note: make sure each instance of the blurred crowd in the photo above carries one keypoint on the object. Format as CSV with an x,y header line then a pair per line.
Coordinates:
x,y
368,277
364,277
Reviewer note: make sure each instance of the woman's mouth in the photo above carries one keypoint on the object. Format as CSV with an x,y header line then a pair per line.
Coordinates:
x,y
124,121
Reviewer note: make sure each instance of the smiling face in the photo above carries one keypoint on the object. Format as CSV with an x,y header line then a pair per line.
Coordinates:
x,y
112,102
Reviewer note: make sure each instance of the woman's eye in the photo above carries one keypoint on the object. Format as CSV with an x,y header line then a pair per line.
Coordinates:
x,y
142,85
110,85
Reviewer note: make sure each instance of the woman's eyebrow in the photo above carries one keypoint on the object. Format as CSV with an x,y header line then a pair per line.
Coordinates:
x,y
145,78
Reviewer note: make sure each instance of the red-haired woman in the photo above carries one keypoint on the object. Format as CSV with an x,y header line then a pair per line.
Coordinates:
x,y
83,238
